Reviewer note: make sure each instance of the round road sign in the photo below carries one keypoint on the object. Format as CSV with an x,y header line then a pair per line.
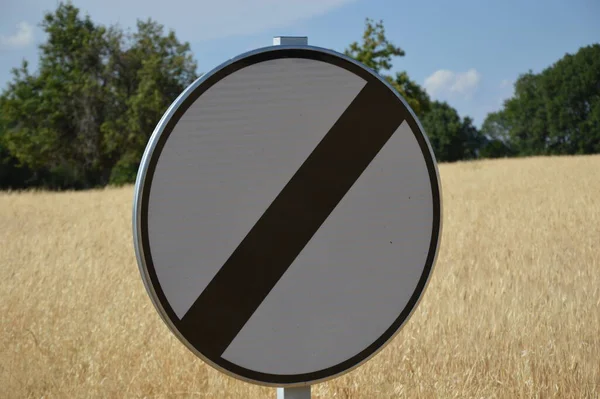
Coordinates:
x,y
287,215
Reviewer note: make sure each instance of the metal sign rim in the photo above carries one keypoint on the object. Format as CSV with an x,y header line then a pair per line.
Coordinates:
x,y
141,181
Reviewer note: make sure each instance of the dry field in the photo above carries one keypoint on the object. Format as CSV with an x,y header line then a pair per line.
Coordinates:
x,y
512,310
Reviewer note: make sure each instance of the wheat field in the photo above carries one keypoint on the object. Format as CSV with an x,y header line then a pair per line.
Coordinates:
x,y
512,309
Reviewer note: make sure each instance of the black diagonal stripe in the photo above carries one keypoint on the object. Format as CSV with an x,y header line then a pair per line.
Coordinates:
x,y
288,224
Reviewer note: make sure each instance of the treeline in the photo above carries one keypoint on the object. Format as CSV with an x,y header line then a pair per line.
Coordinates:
x,y
84,118
555,112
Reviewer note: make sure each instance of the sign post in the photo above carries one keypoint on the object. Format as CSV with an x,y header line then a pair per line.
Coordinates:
x,y
287,216
292,392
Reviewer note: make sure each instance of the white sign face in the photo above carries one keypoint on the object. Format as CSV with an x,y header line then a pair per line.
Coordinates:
x,y
287,215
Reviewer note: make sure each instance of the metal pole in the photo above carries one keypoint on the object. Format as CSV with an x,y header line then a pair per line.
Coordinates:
x,y
294,393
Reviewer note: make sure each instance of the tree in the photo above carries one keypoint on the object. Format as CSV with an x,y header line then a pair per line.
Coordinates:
x,y
526,112
14,106
554,112
496,126
54,117
376,52
495,149
415,95
13,175
571,94
84,118
59,127
496,135
452,139
150,74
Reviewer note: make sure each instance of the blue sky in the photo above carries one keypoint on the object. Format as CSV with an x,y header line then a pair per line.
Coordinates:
x,y
468,53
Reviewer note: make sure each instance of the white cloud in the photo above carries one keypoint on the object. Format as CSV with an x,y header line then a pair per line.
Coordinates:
x,y
445,83
506,83
22,38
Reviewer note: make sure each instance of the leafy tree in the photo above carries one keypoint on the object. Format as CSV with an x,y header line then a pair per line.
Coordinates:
x,y
571,94
496,139
84,118
21,126
554,112
376,52
452,139
153,71
473,139
12,174
495,149
527,115
497,126
55,115
415,95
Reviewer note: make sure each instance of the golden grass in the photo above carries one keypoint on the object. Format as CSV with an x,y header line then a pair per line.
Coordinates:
x,y
512,310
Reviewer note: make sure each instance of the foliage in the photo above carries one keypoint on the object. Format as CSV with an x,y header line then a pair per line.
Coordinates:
x,y
451,137
376,52
91,107
85,116
555,112
495,149
495,132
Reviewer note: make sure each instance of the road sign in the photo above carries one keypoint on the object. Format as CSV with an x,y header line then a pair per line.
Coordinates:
x,y
287,215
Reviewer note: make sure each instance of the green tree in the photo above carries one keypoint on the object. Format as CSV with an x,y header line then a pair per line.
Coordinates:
x,y
556,111
495,149
571,94
376,52
496,135
527,114
152,72
13,175
451,137
54,117
415,95
496,126
84,118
